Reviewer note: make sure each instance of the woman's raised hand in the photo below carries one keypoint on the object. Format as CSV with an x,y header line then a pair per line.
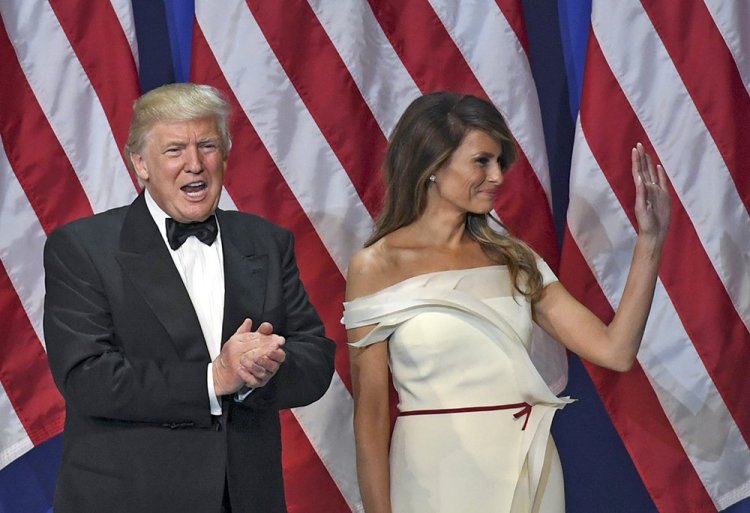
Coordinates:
x,y
652,202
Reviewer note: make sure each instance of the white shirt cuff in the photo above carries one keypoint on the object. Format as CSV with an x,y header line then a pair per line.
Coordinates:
x,y
242,394
213,401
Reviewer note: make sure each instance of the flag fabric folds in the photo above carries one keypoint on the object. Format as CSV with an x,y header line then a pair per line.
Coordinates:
x,y
65,100
673,76
316,88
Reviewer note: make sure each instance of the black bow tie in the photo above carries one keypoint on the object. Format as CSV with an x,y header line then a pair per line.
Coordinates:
x,y
178,233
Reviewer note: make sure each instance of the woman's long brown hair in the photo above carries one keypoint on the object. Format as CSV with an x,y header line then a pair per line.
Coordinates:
x,y
425,137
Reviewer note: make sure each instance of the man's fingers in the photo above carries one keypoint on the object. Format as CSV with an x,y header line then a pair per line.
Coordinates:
x,y
265,328
266,343
248,377
277,355
246,326
267,366
263,366
271,349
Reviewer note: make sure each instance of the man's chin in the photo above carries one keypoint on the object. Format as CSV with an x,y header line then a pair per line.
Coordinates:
x,y
195,215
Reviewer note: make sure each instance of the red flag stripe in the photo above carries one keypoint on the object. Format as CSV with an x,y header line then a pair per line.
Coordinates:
x,y
650,439
374,65
616,126
24,371
316,491
63,91
124,12
398,20
733,22
99,42
21,245
667,113
513,12
523,207
635,409
723,104
27,386
31,147
328,90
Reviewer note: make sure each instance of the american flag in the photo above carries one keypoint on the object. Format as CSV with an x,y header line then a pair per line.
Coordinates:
x,y
316,86
674,75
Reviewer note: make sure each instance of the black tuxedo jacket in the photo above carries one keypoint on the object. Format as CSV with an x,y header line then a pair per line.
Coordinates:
x,y
126,350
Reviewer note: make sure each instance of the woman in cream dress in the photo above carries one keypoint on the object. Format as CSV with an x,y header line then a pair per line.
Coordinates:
x,y
446,303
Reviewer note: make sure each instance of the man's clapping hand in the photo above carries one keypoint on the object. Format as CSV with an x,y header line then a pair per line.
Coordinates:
x,y
249,358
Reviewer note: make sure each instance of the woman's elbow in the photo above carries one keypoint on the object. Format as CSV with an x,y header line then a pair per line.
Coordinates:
x,y
621,362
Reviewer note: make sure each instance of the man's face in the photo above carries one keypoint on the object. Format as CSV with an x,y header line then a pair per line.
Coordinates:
x,y
182,166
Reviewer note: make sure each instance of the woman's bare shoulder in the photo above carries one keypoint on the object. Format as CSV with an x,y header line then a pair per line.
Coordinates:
x,y
372,269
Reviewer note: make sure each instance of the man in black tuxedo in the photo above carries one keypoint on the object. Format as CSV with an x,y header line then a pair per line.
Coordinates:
x,y
176,331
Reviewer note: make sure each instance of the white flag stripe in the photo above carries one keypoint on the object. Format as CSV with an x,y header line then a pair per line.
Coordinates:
x,y
706,429
124,11
225,200
698,173
490,58
287,130
381,77
21,244
733,21
328,425
14,442
65,94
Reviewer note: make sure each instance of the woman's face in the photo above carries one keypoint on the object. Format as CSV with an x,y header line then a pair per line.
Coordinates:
x,y
469,180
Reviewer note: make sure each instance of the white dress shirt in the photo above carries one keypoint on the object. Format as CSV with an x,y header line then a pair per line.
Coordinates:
x,y
201,268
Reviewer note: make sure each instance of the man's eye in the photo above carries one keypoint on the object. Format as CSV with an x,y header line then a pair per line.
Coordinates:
x,y
173,151
482,161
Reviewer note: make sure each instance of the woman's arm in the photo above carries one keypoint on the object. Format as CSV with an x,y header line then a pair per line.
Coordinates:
x,y
615,346
370,383
372,425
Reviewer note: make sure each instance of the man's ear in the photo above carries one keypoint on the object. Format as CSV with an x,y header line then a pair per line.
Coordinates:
x,y
139,164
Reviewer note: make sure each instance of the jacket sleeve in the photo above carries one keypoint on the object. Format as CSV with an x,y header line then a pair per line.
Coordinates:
x,y
306,372
89,365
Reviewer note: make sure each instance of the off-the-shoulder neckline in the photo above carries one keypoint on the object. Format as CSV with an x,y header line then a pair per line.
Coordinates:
x,y
500,267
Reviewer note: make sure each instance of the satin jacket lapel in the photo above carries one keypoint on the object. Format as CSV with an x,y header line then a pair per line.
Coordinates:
x,y
146,262
244,276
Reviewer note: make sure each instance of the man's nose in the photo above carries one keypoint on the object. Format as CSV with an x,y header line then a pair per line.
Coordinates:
x,y
193,160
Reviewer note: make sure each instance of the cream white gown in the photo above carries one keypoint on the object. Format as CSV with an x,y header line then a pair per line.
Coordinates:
x,y
459,340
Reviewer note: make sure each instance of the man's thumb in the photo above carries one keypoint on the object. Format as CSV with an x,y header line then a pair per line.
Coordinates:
x,y
246,326
265,328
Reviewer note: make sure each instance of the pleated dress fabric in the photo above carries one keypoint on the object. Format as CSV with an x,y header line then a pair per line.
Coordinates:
x,y
474,433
